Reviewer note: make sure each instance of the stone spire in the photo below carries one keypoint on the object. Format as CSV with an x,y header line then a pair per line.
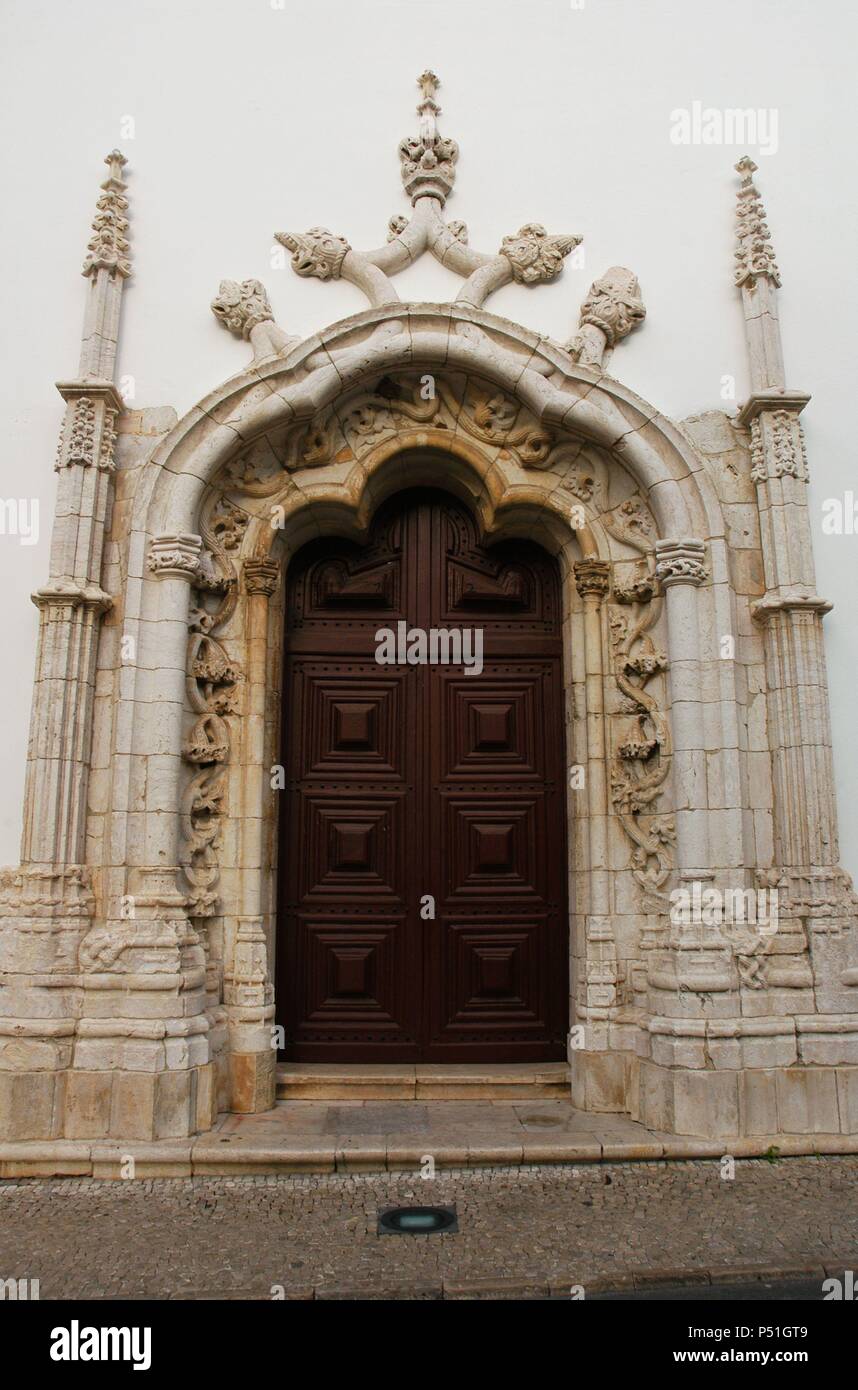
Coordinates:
x,y
754,254
106,266
758,278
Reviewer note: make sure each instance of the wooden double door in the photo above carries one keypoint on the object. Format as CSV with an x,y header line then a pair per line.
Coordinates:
x,y
423,852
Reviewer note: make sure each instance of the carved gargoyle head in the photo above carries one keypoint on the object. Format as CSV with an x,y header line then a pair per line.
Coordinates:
x,y
317,252
534,255
240,305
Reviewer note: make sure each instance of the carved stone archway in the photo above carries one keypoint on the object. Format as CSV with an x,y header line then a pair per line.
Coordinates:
x,y
135,985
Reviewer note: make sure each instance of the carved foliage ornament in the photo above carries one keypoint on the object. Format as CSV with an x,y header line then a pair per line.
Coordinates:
x,y
777,447
680,562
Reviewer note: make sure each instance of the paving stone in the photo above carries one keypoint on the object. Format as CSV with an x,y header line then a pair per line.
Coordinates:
x,y
522,1231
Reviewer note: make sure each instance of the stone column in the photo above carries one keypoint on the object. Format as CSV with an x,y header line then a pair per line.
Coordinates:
x,y
248,993
681,569
141,1064
598,1072
597,990
47,904
816,904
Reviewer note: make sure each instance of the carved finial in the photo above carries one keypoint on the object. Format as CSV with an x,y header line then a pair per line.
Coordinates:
x,y
754,254
429,84
107,246
428,162
115,162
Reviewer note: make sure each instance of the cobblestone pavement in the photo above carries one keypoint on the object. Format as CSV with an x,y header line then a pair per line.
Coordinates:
x,y
543,1227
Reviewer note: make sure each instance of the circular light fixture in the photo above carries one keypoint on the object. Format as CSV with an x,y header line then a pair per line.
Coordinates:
x,y
417,1221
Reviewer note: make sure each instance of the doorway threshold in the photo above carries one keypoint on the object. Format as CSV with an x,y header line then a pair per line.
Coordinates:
x,y
466,1081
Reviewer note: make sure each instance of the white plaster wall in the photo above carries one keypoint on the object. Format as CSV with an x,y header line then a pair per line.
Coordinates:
x,y
252,116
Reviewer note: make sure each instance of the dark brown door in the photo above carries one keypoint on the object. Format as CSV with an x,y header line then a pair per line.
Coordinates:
x,y
414,789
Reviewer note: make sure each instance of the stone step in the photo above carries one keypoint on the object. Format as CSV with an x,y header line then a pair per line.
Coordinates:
x,y
468,1081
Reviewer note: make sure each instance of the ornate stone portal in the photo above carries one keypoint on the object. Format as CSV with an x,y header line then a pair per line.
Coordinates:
x,y
137,934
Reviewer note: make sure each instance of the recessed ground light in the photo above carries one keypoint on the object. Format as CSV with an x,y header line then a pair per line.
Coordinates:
x,y
417,1221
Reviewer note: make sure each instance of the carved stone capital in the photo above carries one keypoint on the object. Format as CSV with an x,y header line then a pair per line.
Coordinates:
x,y
772,604
534,255
261,576
777,446
175,557
680,562
318,252
592,576
88,435
66,593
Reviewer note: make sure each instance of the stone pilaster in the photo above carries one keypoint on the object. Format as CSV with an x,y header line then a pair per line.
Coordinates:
x,y
816,903
46,906
696,964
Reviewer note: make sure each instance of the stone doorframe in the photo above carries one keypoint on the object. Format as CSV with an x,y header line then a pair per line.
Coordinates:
x,y
137,997
389,400
150,1004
